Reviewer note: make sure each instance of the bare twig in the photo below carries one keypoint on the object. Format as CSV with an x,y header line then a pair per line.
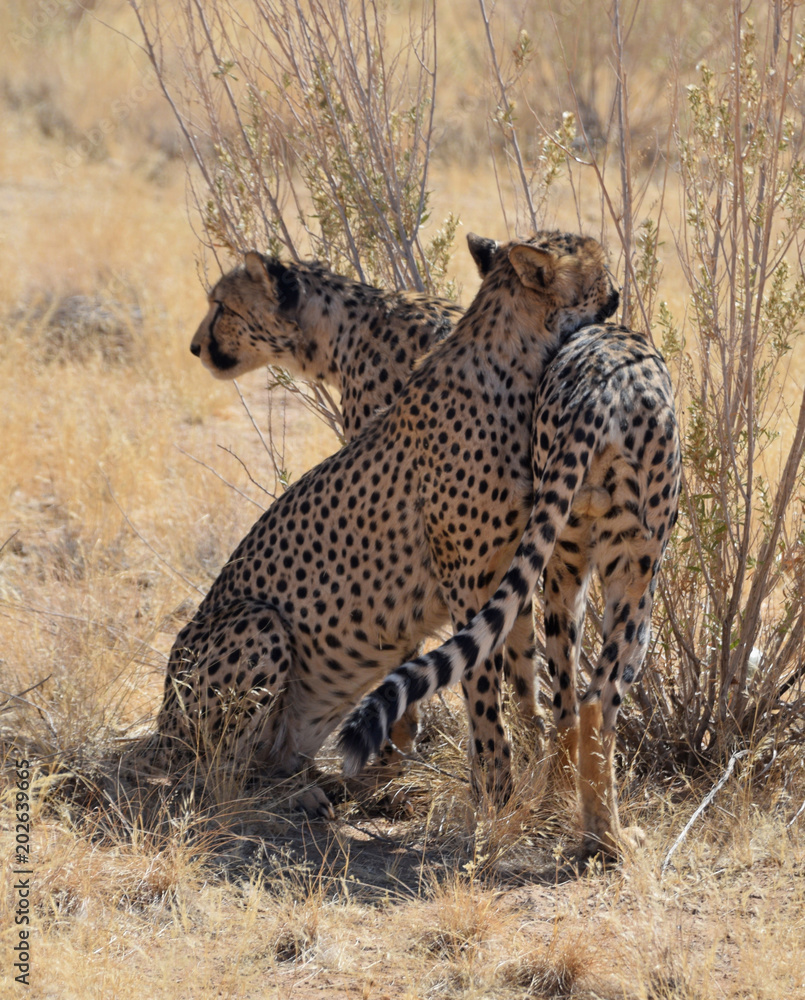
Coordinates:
x,y
20,696
45,716
624,154
252,480
705,803
112,630
10,538
795,817
321,403
505,104
217,474
418,759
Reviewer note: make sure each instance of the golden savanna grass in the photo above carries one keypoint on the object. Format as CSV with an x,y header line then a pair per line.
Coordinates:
x,y
128,475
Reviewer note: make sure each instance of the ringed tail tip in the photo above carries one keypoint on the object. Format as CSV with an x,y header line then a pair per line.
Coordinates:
x,y
362,735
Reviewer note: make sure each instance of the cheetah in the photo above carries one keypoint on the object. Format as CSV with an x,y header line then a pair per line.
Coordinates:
x,y
364,342
410,525
334,331
604,425
320,326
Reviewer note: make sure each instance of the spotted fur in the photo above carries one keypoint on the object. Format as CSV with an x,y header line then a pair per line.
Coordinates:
x,y
323,327
410,525
605,430
331,330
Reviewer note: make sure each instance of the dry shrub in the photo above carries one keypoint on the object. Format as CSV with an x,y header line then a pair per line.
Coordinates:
x,y
75,328
558,969
462,919
311,111
736,612
726,668
80,874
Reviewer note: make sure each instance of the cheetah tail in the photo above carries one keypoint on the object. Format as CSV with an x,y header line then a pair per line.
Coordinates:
x,y
367,727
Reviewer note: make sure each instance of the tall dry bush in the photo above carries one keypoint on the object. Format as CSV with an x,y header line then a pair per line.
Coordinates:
x,y
310,127
312,132
727,665
733,586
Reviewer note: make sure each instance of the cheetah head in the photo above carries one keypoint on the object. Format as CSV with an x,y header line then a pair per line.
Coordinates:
x,y
252,319
565,272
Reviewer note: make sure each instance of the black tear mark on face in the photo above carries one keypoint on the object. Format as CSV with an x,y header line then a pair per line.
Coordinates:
x,y
609,307
222,361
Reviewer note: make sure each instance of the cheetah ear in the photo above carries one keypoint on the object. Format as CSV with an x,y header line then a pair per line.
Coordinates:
x,y
483,252
255,266
541,270
534,267
279,280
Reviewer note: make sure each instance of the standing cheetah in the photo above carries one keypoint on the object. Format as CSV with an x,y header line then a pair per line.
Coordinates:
x,y
604,425
320,326
412,523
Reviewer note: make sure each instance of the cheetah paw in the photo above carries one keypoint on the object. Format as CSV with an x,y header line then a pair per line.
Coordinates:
x,y
632,837
611,846
314,803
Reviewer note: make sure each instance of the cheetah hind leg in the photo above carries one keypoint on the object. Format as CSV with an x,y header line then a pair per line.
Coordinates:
x,y
599,798
565,761
528,725
233,699
488,748
590,503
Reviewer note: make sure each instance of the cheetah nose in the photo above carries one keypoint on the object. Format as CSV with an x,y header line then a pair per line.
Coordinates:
x,y
195,349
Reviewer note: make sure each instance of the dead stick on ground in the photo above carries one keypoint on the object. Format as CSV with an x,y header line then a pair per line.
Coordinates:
x,y
708,799
225,481
795,817
10,538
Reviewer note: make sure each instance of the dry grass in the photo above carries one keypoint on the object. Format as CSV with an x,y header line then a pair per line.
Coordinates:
x,y
207,886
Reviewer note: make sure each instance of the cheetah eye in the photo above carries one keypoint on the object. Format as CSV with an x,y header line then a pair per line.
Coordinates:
x,y
228,309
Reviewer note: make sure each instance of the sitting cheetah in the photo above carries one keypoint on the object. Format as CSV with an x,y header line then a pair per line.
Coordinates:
x,y
320,326
326,328
410,524
604,425
358,339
